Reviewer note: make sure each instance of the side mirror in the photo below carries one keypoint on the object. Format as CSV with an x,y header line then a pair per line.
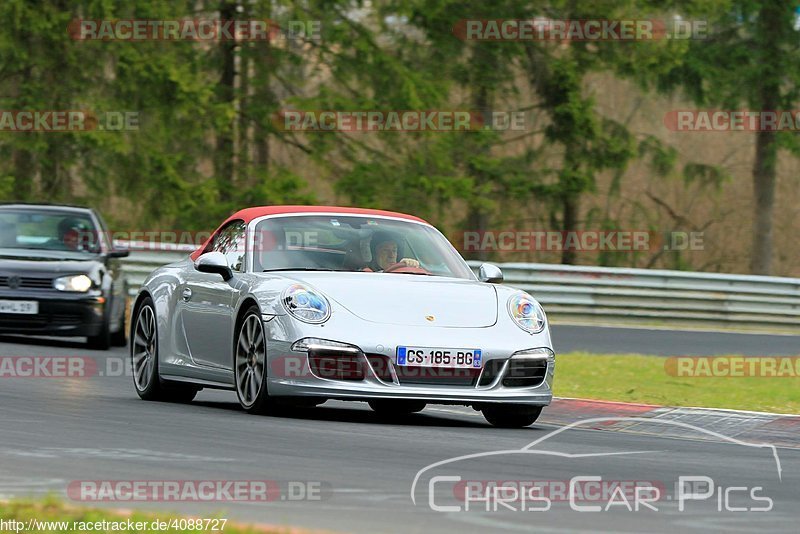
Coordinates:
x,y
490,273
214,262
118,253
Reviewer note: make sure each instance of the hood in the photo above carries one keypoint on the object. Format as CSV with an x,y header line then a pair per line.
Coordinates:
x,y
32,262
406,300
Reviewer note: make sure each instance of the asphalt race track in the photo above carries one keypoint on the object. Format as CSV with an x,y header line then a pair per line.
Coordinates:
x,y
56,431
599,339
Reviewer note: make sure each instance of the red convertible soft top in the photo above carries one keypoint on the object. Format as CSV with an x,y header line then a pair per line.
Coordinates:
x,y
248,214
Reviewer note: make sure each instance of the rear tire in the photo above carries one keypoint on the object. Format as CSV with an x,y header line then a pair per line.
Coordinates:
x,y
144,360
250,364
120,338
396,407
511,416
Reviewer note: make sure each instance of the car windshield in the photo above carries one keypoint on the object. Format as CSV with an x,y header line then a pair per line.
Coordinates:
x,y
31,229
354,244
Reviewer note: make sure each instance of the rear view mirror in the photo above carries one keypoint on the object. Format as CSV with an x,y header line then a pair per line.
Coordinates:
x,y
118,253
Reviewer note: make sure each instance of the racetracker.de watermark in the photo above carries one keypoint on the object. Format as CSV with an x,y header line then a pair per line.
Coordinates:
x,y
733,366
197,490
740,120
559,30
399,120
577,240
51,367
49,120
193,30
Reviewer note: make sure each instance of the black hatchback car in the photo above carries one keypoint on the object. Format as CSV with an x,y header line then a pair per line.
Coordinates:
x,y
60,275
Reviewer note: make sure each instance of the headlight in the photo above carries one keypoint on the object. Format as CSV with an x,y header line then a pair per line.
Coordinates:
x,y
79,283
306,304
542,353
303,345
526,312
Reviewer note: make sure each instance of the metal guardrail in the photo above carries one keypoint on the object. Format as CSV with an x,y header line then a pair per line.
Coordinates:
x,y
144,258
604,295
645,297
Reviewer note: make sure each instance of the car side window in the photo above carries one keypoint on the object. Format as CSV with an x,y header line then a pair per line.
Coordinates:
x,y
230,241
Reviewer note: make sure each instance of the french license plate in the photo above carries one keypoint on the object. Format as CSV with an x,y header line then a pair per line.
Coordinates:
x,y
439,357
25,307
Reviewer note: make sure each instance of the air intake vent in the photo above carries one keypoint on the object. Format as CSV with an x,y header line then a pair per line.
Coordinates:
x,y
491,371
524,372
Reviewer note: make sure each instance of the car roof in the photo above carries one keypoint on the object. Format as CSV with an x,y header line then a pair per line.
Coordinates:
x,y
45,206
249,214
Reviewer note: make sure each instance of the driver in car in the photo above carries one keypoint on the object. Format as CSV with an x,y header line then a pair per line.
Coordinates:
x,y
384,247
72,234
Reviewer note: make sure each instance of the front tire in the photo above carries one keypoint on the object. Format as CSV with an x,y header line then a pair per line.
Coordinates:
x,y
250,364
511,416
101,341
144,360
119,339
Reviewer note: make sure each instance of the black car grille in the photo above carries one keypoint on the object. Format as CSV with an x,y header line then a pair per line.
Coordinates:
x,y
66,319
428,376
436,376
382,365
29,282
40,320
24,322
334,366
524,372
491,371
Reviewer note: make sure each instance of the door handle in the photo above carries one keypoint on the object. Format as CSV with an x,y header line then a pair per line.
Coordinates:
x,y
187,294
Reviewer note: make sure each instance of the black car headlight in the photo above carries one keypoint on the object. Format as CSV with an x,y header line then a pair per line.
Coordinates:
x,y
78,283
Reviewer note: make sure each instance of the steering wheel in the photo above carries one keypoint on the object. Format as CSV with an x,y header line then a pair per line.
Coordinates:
x,y
402,268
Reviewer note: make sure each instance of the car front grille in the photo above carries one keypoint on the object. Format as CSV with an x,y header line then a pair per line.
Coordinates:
x,y
521,372
25,322
29,282
525,372
381,365
344,366
491,370
428,376
436,376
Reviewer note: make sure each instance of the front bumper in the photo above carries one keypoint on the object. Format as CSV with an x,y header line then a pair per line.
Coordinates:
x,y
294,373
60,314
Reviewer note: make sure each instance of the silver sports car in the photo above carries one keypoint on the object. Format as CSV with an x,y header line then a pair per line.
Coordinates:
x,y
291,305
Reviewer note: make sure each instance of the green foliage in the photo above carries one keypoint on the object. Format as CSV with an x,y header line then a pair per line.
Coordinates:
x,y
207,143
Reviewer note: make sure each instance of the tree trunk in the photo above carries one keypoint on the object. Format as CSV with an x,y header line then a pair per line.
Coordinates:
x,y
571,208
477,218
23,174
770,22
764,193
223,161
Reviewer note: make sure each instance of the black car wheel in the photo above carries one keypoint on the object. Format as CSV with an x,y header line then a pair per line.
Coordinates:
x,y
511,416
144,360
396,408
250,364
120,338
101,341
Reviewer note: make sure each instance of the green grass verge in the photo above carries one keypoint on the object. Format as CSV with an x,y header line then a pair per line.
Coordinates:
x,y
644,379
53,511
